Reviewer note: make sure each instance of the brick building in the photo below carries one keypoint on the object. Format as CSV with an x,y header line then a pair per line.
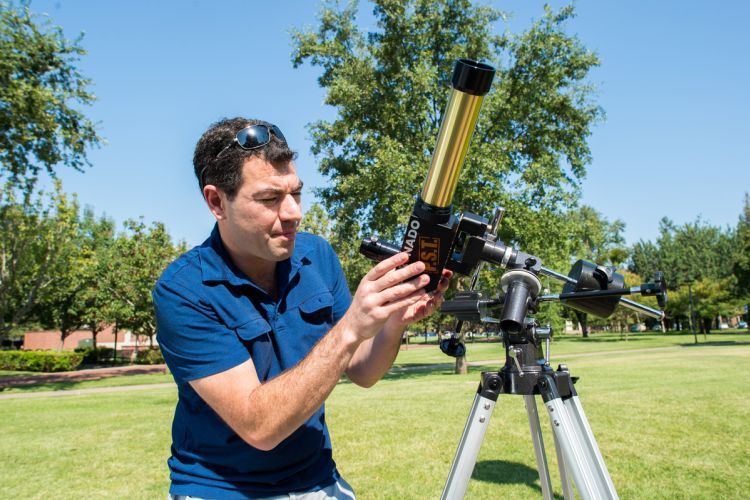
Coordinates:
x,y
50,340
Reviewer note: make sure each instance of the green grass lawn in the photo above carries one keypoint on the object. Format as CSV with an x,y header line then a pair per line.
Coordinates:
x,y
670,423
564,345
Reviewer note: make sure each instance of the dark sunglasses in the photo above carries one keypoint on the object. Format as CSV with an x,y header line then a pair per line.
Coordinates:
x,y
254,137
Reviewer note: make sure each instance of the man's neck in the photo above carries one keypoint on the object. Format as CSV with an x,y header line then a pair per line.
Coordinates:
x,y
260,272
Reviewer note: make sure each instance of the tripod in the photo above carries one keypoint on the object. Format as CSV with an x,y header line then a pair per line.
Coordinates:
x,y
527,372
589,288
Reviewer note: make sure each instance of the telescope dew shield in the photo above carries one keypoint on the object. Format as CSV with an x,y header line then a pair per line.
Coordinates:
x,y
431,228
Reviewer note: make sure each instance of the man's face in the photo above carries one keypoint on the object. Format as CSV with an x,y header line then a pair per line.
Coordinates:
x,y
261,221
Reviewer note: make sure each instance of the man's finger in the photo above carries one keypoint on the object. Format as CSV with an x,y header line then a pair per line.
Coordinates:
x,y
445,280
404,302
384,266
404,289
396,276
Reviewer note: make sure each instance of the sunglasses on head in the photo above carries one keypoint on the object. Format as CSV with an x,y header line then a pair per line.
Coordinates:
x,y
254,137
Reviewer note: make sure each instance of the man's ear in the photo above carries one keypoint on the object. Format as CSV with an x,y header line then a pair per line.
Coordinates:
x,y
216,200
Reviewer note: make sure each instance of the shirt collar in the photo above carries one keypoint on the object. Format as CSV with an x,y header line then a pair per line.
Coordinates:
x,y
217,266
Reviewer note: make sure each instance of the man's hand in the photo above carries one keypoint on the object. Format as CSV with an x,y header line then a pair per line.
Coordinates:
x,y
427,304
387,291
375,355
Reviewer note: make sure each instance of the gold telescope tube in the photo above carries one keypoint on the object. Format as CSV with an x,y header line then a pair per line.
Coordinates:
x,y
471,82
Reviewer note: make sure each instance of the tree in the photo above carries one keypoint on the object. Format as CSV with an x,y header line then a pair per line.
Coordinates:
x,y
41,90
98,306
687,253
598,241
713,298
67,277
694,254
78,296
316,221
35,237
141,254
742,251
390,88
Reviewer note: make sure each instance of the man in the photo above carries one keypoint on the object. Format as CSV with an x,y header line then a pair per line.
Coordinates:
x,y
257,326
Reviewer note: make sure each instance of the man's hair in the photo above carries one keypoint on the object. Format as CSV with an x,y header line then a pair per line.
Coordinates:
x,y
225,172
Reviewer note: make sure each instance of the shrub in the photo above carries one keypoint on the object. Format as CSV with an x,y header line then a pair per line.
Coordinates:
x,y
93,356
40,361
149,357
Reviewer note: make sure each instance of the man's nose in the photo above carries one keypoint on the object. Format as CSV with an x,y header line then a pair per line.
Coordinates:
x,y
290,209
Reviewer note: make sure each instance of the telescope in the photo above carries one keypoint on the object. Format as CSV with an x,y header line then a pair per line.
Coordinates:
x,y
431,230
463,243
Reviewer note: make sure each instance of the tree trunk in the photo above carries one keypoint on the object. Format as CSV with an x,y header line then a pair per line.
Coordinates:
x,y
63,335
114,353
583,320
461,367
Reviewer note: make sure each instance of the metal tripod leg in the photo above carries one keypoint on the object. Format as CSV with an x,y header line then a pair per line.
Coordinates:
x,y
536,437
468,448
564,478
578,445
575,409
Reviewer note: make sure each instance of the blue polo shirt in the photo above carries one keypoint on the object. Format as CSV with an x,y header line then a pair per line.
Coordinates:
x,y
211,317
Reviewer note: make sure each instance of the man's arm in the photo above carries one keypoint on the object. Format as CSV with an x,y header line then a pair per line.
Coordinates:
x,y
265,414
375,356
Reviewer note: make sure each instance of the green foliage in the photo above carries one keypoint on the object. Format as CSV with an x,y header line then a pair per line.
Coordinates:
x,y
40,361
713,298
61,301
41,90
57,266
598,240
390,87
707,258
96,304
94,355
36,235
687,253
149,357
742,251
316,221
140,255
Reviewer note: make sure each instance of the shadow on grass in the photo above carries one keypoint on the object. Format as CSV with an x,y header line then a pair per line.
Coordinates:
x,y
599,340
45,386
502,472
716,343
415,372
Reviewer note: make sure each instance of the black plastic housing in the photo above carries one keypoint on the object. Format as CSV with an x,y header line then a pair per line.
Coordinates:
x,y
592,277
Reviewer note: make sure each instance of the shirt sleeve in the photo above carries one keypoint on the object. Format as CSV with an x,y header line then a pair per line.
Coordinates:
x,y
193,341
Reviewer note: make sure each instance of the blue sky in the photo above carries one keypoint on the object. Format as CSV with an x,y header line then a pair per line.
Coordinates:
x,y
673,83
